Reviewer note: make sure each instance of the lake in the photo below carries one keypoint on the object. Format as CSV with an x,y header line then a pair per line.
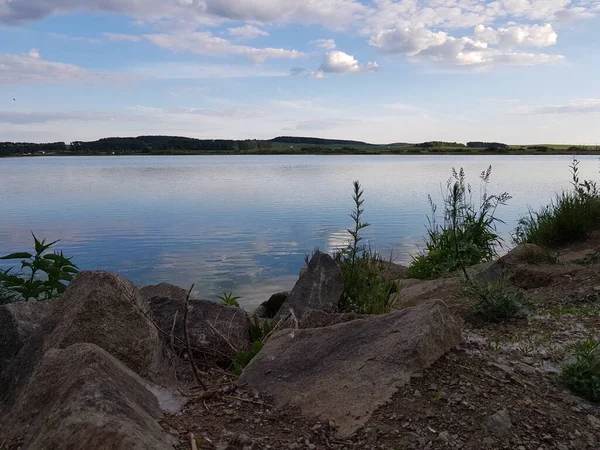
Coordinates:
x,y
243,223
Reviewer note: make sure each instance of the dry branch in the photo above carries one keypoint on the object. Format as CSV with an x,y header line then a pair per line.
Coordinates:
x,y
187,340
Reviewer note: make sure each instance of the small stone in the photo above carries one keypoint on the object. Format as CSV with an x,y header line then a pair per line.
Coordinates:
x,y
593,421
293,446
417,394
244,439
311,446
499,424
444,436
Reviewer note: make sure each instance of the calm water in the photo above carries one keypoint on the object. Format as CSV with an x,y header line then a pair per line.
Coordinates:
x,y
241,222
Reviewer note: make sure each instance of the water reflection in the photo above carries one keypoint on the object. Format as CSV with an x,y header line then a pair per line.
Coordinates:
x,y
241,223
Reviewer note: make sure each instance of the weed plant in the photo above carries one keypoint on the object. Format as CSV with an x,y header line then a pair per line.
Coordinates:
x,y
582,376
365,289
494,302
43,275
467,234
570,217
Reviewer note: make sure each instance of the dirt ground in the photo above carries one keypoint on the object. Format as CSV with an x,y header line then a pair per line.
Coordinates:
x,y
498,390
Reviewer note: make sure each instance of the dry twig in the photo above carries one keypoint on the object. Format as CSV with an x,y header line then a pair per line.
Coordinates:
x,y
187,340
192,439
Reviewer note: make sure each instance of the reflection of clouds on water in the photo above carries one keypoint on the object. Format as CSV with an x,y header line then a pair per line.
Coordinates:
x,y
239,223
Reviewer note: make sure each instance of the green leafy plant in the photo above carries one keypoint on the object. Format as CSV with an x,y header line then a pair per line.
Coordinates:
x,y
228,299
495,302
259,329
43,275
243,358
467,234
569,217
366,291
582,376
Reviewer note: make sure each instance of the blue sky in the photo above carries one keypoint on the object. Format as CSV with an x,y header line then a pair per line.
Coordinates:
x,y
516,71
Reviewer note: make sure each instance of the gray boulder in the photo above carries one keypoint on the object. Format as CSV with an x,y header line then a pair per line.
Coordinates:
x,y
320,288
216,332
163,290
99,308
18,322
524,254
105,309
390,271
270,308
344,372
81,397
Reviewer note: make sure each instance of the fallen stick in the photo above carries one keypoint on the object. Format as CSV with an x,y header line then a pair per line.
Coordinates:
x,y
192,439
187,340
231,397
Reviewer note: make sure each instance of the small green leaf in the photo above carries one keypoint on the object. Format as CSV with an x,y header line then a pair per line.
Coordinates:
x,y
23,255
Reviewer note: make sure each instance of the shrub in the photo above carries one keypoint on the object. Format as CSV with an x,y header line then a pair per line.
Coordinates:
x,y
365,289
582,376
55,269
495,302
467,235
570,217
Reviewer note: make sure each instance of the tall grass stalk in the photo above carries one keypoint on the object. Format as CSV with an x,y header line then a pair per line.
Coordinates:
x,y
365,289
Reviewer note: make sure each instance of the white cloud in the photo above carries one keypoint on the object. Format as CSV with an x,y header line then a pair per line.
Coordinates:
x,y
575,107
325,44
420,43
343,63
330,13
34,53
516,35
198,71
247,32
205,43
117,37
30,68
408,40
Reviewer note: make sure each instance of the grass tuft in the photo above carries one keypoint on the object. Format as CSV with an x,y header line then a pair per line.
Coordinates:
x,y
582,376
495,301
569,218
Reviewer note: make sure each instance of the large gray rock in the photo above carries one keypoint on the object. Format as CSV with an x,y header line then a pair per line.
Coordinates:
x,y
390,271
99,308
345,372
320,288
18,322
216,332
270,308
524,254
412,293
164,290
83,398
105,309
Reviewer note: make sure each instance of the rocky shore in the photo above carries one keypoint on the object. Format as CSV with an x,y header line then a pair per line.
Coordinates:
x,y
107,365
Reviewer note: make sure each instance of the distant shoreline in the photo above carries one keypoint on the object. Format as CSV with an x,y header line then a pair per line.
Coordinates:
x,y
328,153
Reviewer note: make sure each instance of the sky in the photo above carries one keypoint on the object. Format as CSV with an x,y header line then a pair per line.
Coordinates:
x,y
382,71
